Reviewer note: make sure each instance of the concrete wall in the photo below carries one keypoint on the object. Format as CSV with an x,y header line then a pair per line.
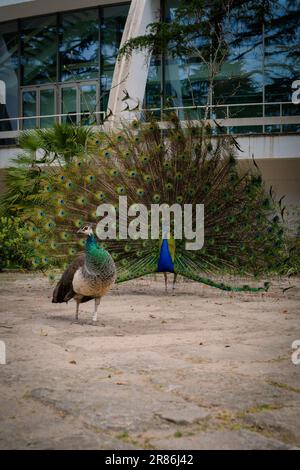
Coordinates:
x,y
282,174
6,156
131,75
270,146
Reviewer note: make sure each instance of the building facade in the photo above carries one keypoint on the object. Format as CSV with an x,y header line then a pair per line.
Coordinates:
x,y
59,64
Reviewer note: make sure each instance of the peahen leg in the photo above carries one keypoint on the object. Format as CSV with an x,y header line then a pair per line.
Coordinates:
x,y
97,302
166,282
77,310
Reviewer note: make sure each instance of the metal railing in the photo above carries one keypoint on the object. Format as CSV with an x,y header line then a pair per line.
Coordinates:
x,y
235,115
251,118
79,118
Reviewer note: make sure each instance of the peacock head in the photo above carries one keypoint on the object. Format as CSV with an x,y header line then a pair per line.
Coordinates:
x,y
86,230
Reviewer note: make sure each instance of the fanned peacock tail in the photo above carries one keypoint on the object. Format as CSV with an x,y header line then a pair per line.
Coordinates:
x,y
182,164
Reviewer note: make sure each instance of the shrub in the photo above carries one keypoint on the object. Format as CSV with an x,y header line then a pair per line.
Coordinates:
x,y
16,251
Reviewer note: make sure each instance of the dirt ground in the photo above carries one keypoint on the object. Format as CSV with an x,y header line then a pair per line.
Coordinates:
x,y
202,369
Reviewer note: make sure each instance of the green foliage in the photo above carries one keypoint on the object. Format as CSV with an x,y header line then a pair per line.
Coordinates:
x,y
60,142
194,20
203,25
39,148
16,251
23,186
291,258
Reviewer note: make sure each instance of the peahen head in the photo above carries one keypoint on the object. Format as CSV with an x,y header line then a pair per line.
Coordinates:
x,y
86,230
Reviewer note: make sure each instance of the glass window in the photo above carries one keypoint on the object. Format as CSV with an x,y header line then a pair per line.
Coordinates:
x,y
112,27
47,107
186,78
79,41
39,47
153,87
9,74
69,104
186,84
88,104
29,109
282,46
240,79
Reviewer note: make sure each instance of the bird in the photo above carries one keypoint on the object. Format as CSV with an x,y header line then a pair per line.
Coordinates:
x,y
126,96
89,276
170,163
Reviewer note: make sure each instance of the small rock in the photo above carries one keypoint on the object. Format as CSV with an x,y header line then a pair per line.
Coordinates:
x,y
183,414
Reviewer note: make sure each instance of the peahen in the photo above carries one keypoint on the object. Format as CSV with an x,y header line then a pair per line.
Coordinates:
x,y
180,163
90,275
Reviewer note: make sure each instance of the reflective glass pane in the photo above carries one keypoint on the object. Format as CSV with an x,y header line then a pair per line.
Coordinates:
x,y
39,49
29,109
240,79
282,45
153,87
9,74
47,107
186,78
112,27
186,82
79,40
88,104
69,104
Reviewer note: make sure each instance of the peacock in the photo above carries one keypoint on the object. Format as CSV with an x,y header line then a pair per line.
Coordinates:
x,y
162,163
89,276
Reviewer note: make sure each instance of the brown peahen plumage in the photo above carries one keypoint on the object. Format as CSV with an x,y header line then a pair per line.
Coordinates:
x,y
88,277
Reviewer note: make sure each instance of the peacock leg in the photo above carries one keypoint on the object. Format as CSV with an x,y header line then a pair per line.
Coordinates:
x,y
97,302
174,281
166,282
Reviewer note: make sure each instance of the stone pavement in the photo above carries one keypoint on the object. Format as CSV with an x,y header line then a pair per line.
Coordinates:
x,y
202,369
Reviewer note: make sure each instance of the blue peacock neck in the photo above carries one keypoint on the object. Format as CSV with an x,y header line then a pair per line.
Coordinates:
x,y
95,255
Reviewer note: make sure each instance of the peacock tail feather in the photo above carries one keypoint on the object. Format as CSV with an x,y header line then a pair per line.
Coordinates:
x,y
182,164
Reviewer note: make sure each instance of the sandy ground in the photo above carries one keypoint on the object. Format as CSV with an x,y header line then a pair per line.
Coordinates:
x,y
202,369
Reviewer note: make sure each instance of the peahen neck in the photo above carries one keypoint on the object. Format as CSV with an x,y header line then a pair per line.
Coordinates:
x,y
95,255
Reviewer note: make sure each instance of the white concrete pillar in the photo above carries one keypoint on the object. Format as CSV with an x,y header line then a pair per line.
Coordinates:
x,y
130,75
